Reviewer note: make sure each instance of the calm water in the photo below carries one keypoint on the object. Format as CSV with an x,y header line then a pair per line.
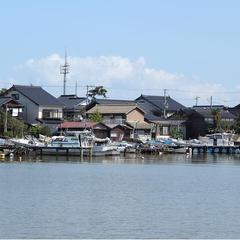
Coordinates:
x,y
162,197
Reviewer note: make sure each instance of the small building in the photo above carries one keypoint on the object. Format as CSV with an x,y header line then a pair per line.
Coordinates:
x,y
12,107
74,107
100,130
141,130
158,110
199,120
125,118
119,132
117,113
39,106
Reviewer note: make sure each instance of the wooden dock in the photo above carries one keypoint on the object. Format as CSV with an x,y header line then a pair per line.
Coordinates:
x,y
62,151
45,150
215,149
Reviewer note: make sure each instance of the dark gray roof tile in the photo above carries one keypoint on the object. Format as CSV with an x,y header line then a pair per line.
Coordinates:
x,y
71,101
38,95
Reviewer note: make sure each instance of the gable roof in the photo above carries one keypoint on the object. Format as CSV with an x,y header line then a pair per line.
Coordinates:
x,y
83,124
71,101
207,113
9,101
114,101
158,102
139,125
4,100
37,95
109,109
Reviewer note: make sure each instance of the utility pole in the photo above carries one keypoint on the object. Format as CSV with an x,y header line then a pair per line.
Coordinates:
x,y
211,101
76,86
196,99
165,104
64,69
87,95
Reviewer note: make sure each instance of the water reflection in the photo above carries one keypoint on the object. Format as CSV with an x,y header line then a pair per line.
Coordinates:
x,y
139,159
150,196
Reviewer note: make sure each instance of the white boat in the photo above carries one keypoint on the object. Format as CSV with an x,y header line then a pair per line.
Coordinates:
x,y
72,144
124,146
217,139
103,147
179,149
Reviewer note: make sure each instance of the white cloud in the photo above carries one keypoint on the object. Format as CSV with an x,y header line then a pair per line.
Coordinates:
x,y
124,78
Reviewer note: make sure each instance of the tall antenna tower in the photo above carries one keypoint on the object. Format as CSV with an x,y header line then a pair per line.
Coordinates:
x,y
64,69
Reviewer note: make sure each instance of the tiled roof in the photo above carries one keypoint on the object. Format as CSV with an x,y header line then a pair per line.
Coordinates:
x,y
4,100
140,125
37,95
71,101
9,101
82,124
158,101
115,109
207,113
115,101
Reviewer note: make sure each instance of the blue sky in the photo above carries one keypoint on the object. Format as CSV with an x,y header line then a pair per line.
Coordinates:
x,y
131,46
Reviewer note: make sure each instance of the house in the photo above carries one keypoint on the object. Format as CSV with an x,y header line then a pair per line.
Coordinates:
x,y
107,101
74,106
157,110
141,130
117,111
155,106
13,108
235,110
200,120
119,132
124,117
39,106
100,130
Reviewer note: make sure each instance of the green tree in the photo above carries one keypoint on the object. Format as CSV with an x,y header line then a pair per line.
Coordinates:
x,y
217,119
15,127
2,90
236,126
40,129
97,91
96,116
176,133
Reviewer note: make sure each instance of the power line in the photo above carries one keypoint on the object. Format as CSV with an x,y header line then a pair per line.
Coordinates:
x,y
152,89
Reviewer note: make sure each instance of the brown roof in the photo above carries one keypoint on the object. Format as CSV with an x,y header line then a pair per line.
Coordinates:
x,y
140,125
108,109
83,124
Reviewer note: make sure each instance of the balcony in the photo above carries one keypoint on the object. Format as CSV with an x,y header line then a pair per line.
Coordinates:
x,y
114,121
51,115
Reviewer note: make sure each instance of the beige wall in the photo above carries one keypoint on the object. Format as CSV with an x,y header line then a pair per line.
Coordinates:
x,y
135,116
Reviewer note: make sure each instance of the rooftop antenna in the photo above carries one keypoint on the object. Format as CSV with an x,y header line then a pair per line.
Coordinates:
x,y
64,69
165,103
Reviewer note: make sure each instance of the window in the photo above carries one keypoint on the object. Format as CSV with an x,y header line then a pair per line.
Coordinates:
x,y
15,96
47,113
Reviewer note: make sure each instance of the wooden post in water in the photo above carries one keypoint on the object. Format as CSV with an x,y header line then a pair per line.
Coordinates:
x,y
90,154
81,154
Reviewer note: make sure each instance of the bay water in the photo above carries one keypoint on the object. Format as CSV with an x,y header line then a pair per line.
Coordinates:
x,y
167,196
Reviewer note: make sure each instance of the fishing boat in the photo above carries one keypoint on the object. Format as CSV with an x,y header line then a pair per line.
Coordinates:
x,y
175,149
